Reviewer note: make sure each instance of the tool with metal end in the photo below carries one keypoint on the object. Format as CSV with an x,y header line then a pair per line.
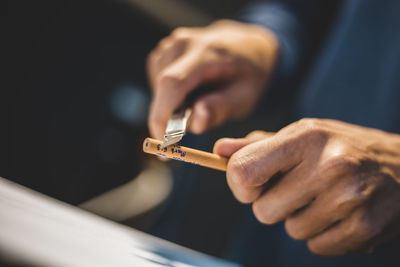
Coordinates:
x,y
176,127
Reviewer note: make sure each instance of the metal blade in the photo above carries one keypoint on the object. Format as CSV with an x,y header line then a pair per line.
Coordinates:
x,y
176,127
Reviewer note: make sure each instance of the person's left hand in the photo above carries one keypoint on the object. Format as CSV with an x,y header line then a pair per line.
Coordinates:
x,y
336,185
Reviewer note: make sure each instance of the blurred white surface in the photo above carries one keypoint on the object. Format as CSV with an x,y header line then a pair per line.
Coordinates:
x,y
40,231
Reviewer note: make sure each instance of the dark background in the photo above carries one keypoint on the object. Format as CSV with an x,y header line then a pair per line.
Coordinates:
x,y
63,62
66,66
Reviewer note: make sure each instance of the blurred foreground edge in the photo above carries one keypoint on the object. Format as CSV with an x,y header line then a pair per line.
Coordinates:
x,y
36,230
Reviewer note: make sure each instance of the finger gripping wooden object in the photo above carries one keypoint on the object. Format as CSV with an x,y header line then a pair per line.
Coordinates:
x,y
177,152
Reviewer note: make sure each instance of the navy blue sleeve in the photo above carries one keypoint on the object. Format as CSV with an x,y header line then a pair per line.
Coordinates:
x,y
299,25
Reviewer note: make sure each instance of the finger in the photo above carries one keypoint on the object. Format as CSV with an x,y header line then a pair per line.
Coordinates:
x,y
211,109
176,81
258,135
170,91
293,190
214,108
152,59
384,214
160,112
168,51
327,209
244,194
253,165
349,235
227,146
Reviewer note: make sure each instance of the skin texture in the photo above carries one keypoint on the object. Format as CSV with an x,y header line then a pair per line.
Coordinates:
x,y
336,185
238,56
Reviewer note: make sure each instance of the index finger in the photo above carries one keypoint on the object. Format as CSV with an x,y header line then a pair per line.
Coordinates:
x,y
227,146
170,90
250,168
177,81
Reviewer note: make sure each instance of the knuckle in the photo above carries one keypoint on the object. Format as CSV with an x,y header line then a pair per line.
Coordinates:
x,y
341,165
317,134
256,134
348,200
311,129
177,40
317,248
162,44
239,172
180,42
181,33
309,123
244,198
292,229
168,81
218,49
363,229
261,212
312,126
313,248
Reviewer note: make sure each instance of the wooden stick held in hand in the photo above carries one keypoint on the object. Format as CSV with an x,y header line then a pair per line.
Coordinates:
x,y
177,152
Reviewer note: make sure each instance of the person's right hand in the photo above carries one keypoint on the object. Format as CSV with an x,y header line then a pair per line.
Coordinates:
x,y
238,55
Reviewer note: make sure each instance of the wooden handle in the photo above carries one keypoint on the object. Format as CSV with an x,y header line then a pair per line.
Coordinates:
x,y
177,152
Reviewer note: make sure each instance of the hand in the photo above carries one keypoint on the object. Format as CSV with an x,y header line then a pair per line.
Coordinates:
x,y
336,185
239,55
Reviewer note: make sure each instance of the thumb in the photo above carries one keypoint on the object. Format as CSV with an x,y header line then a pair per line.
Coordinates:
x,y
226,147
